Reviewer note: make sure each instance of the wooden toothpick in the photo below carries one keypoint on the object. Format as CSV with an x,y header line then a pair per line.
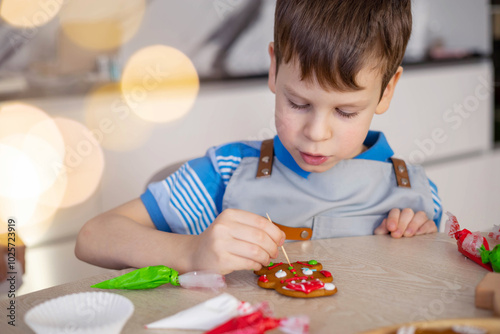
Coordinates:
x,y
282,248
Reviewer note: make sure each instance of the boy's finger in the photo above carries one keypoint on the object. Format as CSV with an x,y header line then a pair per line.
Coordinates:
x,y
273,231
382,228
248,256
428,227
418,221
262,223
256,237
404,219
393,220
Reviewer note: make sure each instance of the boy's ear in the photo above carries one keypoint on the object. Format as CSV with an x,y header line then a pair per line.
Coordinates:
x,y
271,81
386,99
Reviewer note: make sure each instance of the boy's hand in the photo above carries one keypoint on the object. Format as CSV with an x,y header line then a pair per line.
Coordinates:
x,y
406,223
237,240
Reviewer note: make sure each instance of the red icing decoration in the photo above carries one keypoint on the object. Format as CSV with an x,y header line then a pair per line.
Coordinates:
x,y
306,287
293,279
274,266
305,264
326,273
263,278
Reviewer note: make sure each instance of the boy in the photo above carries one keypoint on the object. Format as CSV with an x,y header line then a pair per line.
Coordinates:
x,y
334,64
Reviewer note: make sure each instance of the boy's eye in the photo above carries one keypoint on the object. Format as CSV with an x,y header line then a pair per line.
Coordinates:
x,y
346,114
297,106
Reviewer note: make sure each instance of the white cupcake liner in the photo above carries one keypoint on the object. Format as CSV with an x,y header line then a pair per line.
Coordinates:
x,y
81,313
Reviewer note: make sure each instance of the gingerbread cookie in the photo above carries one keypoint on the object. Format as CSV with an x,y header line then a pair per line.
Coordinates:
x,y
302,280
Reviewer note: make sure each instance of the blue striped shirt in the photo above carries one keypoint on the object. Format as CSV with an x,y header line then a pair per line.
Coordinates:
x,y
190,199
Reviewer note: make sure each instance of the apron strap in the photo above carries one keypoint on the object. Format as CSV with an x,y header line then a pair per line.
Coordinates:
x,y
265,169
296,233
265,166
401,172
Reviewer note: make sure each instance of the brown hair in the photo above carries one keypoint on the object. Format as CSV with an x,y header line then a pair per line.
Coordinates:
x,y
335,39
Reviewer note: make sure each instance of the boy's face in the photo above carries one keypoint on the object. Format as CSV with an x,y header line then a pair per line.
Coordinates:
x,y
322,127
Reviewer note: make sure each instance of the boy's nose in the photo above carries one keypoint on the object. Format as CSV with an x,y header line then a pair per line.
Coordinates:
x,y
318,129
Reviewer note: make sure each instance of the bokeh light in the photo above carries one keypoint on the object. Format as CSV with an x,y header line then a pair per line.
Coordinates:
x,y
4,228
30,166
34,234
22,209
31,189
50,200
47,164
22,195
29,13
18,174
111,119
101,25
83,163
31,149
160,83
22,118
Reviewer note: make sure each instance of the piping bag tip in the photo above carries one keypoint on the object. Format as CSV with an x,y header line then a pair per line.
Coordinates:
x,y
202,279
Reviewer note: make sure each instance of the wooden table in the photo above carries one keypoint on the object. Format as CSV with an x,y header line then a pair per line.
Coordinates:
x,y
381,282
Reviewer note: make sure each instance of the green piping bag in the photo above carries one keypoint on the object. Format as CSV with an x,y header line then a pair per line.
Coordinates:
x,y
154,276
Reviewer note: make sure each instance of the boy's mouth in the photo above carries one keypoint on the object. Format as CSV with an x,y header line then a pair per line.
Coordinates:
x,y
313,159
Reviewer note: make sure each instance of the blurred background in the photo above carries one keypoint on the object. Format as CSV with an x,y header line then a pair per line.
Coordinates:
x,y
98,96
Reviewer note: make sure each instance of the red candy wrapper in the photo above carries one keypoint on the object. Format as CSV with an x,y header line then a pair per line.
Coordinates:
x,y
468,243
260,321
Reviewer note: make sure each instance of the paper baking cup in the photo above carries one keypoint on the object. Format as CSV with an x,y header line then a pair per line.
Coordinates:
x,y
79,313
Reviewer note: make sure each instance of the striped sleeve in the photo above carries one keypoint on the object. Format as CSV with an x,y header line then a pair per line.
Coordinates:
x,y
436,200
227,158
184,202
227,165
190,199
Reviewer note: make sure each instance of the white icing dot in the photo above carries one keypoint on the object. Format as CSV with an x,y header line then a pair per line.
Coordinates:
x,y
329,286
280,274
307,271
303,281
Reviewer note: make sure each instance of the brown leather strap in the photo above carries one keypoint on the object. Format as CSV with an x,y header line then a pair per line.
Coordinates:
x,y
265,167
401,173
296,233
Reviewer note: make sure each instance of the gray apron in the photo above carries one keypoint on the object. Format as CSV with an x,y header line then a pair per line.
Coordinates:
x,y
350,199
